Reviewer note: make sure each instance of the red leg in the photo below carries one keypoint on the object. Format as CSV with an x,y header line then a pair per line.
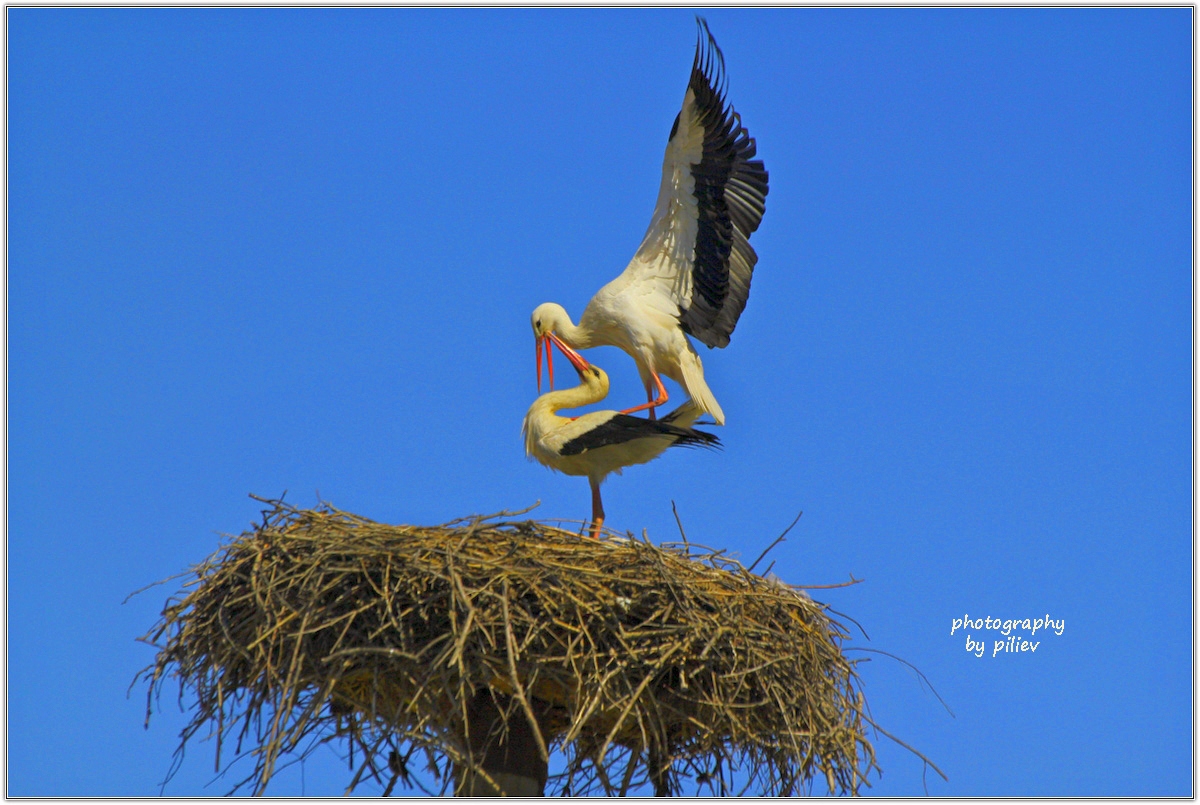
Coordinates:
x,y
654,403
597,509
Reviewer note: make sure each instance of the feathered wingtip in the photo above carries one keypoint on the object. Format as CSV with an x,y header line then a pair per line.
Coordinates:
x,y
709,62
699,438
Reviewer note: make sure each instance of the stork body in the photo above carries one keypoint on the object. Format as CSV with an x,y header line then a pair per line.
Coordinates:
x,y
598,444
691,275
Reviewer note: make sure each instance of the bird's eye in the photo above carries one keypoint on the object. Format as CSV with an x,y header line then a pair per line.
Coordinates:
x,y
595,371
537,323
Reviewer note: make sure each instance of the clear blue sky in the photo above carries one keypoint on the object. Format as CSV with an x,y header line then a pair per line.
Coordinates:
x,y
263,250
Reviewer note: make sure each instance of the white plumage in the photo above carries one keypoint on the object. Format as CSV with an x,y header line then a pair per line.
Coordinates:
x,y
691,275
598,444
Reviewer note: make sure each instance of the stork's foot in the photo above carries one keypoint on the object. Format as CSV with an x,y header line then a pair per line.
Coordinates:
x,y
650,406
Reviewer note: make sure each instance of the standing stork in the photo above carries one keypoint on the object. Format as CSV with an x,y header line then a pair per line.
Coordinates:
x,y
691,274
602,442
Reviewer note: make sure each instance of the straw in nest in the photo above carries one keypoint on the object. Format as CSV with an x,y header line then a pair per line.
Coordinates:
x,y
641,664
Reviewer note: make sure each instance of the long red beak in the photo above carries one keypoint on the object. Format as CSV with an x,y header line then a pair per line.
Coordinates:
x,y
574,357
537,348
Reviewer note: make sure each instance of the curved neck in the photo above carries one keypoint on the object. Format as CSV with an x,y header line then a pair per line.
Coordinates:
x,y
583,394
575,336
542,417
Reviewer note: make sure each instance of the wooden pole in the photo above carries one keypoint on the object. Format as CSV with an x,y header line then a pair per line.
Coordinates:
x,y
508,752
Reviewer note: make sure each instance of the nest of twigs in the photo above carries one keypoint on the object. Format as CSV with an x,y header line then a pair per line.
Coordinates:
x,y
671,666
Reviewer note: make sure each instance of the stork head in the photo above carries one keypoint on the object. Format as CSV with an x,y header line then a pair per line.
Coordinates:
x,y
547,319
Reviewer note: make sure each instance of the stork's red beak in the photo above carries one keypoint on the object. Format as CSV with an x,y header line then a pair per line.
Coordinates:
x,y
537,353
537,348
574,357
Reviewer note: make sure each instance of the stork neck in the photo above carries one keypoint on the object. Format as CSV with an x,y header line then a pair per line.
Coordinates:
x,y
542,417
575,336
583,394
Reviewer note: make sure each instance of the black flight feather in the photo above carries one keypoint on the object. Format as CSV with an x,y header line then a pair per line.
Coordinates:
x,y
624,428
730,189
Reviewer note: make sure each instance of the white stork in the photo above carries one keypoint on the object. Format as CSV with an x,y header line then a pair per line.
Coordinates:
x,y
691,274
602,442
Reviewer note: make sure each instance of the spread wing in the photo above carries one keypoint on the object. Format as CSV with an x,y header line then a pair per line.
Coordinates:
x,y
712,197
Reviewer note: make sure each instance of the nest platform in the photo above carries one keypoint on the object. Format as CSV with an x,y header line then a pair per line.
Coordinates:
x,y
669,665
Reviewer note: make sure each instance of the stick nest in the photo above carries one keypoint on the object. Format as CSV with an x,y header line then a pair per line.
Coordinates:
x,y
641,665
